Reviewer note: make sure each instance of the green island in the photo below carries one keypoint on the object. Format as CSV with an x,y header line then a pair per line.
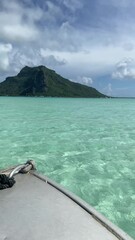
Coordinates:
x,y
41,81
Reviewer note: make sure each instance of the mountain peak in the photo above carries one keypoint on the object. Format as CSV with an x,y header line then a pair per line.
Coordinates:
x,y
41,81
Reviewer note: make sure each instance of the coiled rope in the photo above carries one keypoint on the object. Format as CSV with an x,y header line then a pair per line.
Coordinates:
x,y
7,181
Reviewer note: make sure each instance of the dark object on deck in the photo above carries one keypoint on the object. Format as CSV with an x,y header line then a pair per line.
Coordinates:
x,y
6,182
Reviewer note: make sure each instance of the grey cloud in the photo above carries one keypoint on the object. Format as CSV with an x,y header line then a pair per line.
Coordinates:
x,y
21,57
63,38
52,61
116,3
48,28
18,58
73,5
52,13
17,24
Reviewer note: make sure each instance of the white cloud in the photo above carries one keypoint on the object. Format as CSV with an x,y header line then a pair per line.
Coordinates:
x,y
90,61
125,69
88,81
5,49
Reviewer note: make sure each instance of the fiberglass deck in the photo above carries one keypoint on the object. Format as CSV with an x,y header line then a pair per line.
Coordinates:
x,y
33,209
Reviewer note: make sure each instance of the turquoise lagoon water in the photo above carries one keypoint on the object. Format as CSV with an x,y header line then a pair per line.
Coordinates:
x,y
87,145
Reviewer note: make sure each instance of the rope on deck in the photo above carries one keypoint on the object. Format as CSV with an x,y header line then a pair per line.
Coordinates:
x,y
7,181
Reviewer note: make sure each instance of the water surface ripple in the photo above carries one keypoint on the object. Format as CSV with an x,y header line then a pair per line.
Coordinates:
x,y
87,145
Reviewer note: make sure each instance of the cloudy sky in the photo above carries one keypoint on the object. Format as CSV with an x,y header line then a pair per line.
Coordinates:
x,y
89,41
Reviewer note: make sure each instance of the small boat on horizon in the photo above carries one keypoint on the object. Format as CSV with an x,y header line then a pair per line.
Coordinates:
x,y
37,208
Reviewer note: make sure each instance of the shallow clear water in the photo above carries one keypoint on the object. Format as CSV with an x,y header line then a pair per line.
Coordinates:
x,y
87,145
